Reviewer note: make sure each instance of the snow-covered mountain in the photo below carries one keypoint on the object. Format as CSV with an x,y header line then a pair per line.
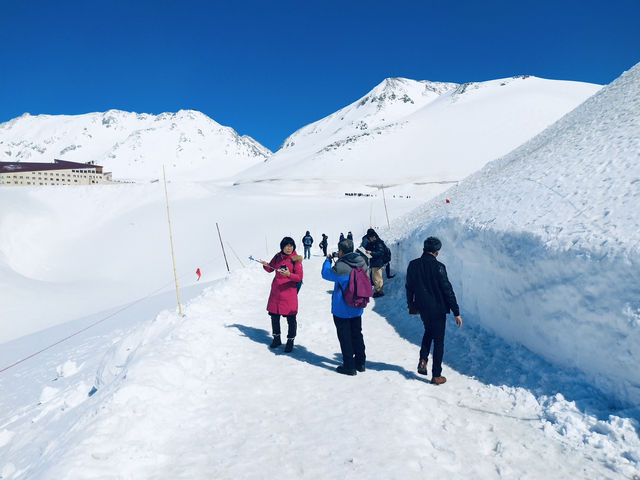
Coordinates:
x,y
132,145
544,243
408,131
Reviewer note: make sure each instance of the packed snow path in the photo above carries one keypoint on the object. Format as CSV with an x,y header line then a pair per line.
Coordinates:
x,y
204,397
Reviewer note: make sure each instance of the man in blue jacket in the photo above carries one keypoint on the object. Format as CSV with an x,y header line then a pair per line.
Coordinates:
x,y
307,241
348,319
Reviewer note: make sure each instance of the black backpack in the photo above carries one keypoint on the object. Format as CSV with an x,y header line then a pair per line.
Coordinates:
x,y
386,258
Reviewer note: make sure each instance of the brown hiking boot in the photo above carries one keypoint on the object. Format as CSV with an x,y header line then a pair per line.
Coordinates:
x,y
422,367
438,380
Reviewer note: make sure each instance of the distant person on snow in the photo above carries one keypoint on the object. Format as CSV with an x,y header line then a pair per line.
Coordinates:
x,y
430,294
378,251
341,237
283,299
323,244
349,236
307,241
347,319
387,259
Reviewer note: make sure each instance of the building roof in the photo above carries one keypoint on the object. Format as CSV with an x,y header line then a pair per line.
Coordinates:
x,y
13,167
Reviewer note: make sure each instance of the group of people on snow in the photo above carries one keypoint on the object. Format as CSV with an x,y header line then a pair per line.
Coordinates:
x,y
428,291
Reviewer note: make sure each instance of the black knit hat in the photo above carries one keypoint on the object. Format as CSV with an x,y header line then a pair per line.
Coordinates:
x,y
432,244
371,233
287,241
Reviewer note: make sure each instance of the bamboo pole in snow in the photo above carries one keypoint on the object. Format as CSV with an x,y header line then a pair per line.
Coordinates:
x,y
173,255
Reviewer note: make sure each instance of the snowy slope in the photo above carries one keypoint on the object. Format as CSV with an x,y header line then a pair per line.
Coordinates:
x,y
406,131
131,145
204,397
544,243
86,249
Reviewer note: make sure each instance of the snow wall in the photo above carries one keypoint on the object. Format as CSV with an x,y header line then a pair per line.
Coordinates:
x,y
570,307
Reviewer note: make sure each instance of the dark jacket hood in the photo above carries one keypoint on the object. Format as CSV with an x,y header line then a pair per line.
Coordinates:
x,y
348,262
353,259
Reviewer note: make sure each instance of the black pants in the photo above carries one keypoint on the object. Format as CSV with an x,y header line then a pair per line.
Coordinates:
x,y
291,320
351,341
388,270
434,327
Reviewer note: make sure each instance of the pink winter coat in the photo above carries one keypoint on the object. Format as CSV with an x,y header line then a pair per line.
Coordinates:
x,y
283,299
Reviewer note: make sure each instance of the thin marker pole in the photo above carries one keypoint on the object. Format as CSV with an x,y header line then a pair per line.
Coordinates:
x,y
223,252
384,199
173,255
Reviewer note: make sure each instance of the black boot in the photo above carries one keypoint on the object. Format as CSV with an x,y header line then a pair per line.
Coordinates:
x,y
422,367
345,371
276,342
289,347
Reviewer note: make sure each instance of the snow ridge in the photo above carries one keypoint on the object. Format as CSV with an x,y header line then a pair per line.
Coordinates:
x,y
541,245
408,131
132,145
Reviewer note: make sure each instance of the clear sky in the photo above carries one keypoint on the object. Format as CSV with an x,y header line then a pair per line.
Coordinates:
x,y
269,68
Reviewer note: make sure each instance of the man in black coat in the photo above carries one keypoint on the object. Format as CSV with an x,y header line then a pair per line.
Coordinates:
x,y
376,248
323,244
430,294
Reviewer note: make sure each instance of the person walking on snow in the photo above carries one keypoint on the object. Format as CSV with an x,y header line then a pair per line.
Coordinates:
x,y
323,244
283,299
349,236
430,294
307,241
376,248
341,237
347,319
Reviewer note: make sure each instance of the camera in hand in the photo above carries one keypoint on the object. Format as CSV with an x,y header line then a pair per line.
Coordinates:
x,y
334,254
282,267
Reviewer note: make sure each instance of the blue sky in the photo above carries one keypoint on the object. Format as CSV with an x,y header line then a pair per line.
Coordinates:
x,y
269,68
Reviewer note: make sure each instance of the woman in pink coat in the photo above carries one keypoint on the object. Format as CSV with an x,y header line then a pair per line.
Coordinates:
x,y
283,299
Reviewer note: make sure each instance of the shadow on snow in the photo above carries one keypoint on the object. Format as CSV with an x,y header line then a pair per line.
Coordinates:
x,y
476,352
302,354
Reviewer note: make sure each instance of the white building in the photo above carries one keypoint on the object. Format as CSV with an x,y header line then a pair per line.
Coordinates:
x,y
60,172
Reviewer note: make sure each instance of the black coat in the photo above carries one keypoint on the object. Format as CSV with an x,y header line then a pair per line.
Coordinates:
x,y
428,288
377,249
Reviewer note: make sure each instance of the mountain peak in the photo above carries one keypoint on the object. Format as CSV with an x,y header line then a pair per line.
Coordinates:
x,y
404,90
132,145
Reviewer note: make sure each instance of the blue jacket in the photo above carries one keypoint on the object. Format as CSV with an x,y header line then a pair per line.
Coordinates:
x,y
339,274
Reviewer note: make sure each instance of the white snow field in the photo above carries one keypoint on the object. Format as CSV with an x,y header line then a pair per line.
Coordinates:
x,y
541,247
204,397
